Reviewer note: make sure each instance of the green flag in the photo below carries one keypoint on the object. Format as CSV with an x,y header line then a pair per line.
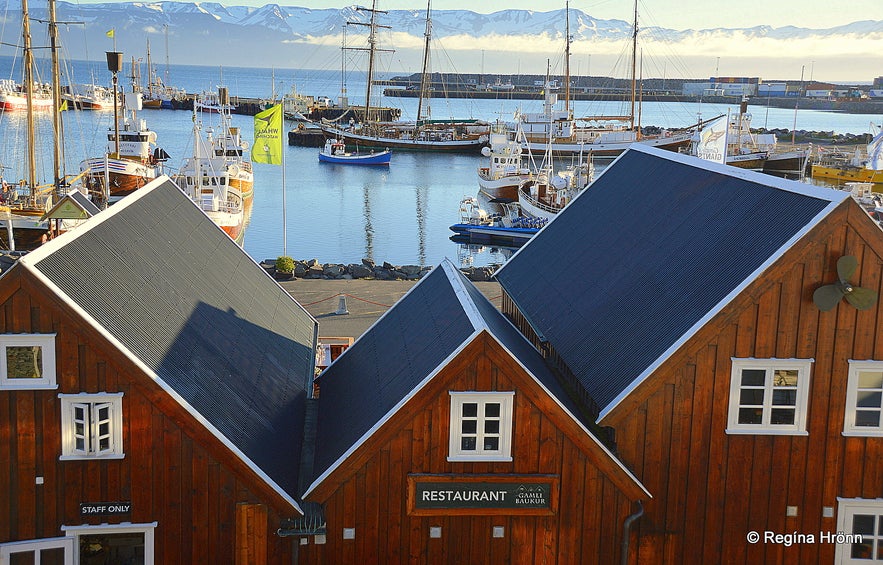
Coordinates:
x,y
267,146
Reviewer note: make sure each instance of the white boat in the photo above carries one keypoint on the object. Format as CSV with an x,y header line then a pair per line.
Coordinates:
x,y
131,159
13,96
90,97
218,177
504,170
548,192
509,226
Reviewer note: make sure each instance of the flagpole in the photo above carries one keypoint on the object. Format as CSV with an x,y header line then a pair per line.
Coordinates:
x,y
284,232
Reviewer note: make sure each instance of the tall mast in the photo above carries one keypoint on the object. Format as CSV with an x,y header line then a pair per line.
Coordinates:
x,y
56,101
634,70
567,57
427,34
372,49
29,95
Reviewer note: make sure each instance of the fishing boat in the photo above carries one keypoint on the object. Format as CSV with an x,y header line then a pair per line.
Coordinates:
x,y
335,151
510,226
13,96
604,136
504,170
131,160
838,167
90,97
423,134
218,177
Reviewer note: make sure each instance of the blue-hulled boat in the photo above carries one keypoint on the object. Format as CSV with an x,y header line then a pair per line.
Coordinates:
x,y
511,226
335,152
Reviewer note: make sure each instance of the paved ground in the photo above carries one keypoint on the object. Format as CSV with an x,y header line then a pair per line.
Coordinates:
x,y
366,300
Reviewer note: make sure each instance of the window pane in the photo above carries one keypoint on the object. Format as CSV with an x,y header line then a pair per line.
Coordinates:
x,y
782,416
868,399
863,524
862,551
467,443
870,379
492,427
750,415
785,377
23,558
469,427
24,362
491,443
784,397
753,377
53,556
867,418
470,410
492,410
751,397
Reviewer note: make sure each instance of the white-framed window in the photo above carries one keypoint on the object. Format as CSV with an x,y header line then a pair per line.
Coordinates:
x,y
91,426
859,531
769,396
120,543
27,361
481,426
864,399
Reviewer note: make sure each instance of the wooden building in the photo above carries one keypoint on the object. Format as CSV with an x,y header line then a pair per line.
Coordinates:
x,y
681,300
153,381
444,438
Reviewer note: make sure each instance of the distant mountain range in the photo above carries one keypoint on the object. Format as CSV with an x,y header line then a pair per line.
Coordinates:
x,y
209,33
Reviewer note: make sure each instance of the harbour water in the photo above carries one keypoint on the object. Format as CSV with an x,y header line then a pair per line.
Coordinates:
x,y
340,213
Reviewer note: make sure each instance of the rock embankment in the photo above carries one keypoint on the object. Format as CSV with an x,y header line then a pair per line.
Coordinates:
x,y
367,269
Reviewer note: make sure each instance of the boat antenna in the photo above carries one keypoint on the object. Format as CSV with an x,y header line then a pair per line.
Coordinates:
x,y
427,34
634,69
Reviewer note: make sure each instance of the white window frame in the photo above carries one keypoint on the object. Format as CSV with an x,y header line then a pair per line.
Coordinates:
x,y
506,402
849,426
804,368
36,546
47,343
87,407
146,528
847,508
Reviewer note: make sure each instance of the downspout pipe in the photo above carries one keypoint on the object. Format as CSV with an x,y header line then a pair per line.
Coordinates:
x,y
626,533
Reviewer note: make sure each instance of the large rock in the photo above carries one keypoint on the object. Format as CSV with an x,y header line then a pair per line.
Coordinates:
x,y
315,272
360,271
301,269
333,270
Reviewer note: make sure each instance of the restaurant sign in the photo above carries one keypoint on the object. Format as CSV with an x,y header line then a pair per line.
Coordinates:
x,y
484,494
104,508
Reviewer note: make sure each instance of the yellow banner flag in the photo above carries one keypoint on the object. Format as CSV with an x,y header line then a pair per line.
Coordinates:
x,y
110,33
267,146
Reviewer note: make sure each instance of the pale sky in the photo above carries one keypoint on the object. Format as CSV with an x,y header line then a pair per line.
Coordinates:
x,y
672,14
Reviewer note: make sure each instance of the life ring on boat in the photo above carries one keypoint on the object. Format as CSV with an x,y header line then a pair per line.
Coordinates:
x,y
233,170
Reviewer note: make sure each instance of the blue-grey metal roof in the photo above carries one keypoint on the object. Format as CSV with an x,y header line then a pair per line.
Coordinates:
x,y
646,253
194,309
396,356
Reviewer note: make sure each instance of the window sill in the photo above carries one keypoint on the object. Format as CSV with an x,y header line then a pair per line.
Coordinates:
x,y
92,457
30,386
862,433
479,459
765,432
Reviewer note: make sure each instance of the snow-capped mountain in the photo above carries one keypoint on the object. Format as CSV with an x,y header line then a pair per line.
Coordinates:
x,y
211,33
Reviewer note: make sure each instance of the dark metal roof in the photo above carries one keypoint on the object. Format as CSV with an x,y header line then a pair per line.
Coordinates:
x,y
409,344
647,252
189,304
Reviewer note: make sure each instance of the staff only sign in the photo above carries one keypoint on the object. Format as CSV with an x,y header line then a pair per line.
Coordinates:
x,y
482,494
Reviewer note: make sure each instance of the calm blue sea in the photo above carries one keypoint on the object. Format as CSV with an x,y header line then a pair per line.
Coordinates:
x,y
338,213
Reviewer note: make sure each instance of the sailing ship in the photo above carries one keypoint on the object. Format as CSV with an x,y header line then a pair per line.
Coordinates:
x,y
25,203
604,136
158,94
424,134
218,177
132,158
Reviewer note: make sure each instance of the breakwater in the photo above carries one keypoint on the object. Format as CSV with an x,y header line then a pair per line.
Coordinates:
x,y
367,269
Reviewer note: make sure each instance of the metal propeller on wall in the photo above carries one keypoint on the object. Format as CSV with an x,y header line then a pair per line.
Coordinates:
x,y
828,296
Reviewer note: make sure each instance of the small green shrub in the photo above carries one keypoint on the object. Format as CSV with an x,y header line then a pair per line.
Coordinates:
x,y
285,264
